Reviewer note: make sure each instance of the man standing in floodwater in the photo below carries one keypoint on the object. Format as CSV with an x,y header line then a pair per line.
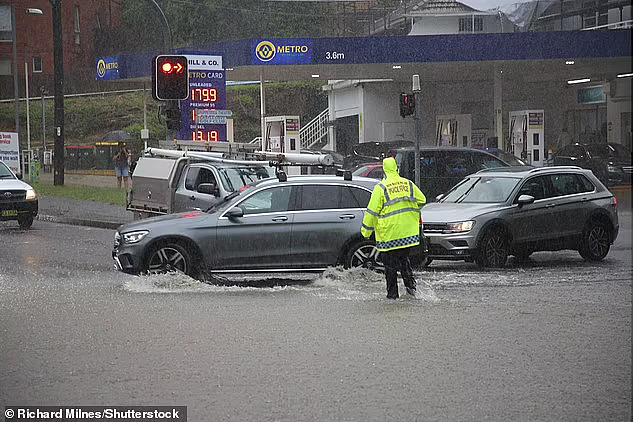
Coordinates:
x,y
393,214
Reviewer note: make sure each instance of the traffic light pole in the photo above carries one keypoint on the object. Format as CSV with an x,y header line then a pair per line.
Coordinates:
x,y
58,58
417,124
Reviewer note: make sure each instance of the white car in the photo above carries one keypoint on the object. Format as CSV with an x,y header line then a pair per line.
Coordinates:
x,y
18,200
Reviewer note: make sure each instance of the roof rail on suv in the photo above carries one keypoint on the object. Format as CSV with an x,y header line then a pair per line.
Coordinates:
x,y
555,167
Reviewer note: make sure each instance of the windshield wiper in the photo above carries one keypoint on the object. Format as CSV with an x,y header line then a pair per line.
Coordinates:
x,y
464,195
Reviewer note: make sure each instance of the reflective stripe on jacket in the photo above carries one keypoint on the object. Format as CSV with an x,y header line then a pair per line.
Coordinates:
x,y
393,213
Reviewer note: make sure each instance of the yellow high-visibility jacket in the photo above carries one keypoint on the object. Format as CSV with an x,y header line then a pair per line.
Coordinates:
x,y
393,213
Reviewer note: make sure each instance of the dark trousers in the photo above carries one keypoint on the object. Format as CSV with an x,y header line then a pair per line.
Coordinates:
x,y
397,260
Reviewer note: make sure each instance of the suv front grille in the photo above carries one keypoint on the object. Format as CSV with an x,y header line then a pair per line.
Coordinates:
x,y
12,195
434,227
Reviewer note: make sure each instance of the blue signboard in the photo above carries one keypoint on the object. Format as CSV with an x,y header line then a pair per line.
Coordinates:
x,y
108,68
207,91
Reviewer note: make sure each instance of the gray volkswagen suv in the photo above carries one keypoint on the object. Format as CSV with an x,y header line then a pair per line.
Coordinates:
x,y
296,223
516,211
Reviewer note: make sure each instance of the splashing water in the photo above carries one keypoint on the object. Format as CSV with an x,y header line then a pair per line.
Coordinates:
x,y
334,283
179,283
364,284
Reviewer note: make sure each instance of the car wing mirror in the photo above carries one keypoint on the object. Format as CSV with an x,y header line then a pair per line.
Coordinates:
x,y
439,197
209,188
235,212
525,200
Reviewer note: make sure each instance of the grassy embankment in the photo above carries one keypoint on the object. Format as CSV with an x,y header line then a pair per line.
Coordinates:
x,y
111,196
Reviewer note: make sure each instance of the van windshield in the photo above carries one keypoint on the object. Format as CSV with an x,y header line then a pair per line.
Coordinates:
x,y
484,189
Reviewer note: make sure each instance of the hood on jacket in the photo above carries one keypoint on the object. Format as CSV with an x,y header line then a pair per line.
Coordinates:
x,y
389,167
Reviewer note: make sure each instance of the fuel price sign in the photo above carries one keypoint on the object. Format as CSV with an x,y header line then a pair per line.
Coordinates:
x,y
207,91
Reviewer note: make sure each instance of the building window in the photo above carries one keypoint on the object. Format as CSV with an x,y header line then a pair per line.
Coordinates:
x,y
478,25
37,64
76,15
5,67
471,24
596,17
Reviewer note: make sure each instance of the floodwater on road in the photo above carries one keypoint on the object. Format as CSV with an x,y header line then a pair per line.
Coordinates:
x,y
362,284
550,340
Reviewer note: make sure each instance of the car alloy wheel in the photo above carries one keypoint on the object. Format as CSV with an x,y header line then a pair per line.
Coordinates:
x,y
365,254
596,242
169,257
493,250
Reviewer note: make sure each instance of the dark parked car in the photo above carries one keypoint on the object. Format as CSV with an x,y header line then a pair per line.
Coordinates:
x,y
609,163
302,223
367,152
517,211
18,200
443,167
622,157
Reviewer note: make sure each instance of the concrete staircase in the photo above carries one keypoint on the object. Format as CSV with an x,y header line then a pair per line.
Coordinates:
x,y
312,135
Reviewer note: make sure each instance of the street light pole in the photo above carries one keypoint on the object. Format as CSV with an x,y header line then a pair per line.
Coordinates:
x,y
28,113
16,94
58,163
29,11
417,122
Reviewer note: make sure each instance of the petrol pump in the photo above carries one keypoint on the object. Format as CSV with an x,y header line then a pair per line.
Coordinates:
x,y
27,160
526,135
282,136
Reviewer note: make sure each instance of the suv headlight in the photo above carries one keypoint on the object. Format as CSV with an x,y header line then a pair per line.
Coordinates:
x,y
463,226
30,194
133,237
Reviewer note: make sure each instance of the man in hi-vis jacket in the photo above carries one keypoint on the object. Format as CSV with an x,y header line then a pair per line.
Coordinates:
x,y
393,214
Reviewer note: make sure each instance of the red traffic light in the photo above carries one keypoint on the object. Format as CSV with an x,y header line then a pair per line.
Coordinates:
x,y
170,78
169,67
407,104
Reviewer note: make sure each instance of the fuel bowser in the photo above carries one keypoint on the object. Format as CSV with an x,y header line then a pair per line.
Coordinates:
x,y
526,136
282,136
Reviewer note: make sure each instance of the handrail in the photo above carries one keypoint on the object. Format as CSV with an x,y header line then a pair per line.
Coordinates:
x,y
314,131
615,25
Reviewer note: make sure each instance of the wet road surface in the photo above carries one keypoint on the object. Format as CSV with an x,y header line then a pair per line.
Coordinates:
x,y
551,340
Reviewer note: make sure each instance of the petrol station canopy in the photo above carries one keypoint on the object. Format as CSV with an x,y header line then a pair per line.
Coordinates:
x,y
526,56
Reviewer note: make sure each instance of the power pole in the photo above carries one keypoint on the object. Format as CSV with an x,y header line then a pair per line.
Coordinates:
x,y
58,57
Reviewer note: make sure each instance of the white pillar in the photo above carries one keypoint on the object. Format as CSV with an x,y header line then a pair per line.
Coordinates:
x,y
28,120
497,105
332,133
262,110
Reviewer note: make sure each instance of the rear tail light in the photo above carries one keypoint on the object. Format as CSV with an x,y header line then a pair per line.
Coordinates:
x,y
614,203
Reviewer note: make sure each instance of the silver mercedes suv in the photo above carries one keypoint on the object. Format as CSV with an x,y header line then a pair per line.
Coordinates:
x,y
516,211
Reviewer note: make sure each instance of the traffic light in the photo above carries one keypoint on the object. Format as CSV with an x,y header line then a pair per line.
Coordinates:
x,y
407,104
170,78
